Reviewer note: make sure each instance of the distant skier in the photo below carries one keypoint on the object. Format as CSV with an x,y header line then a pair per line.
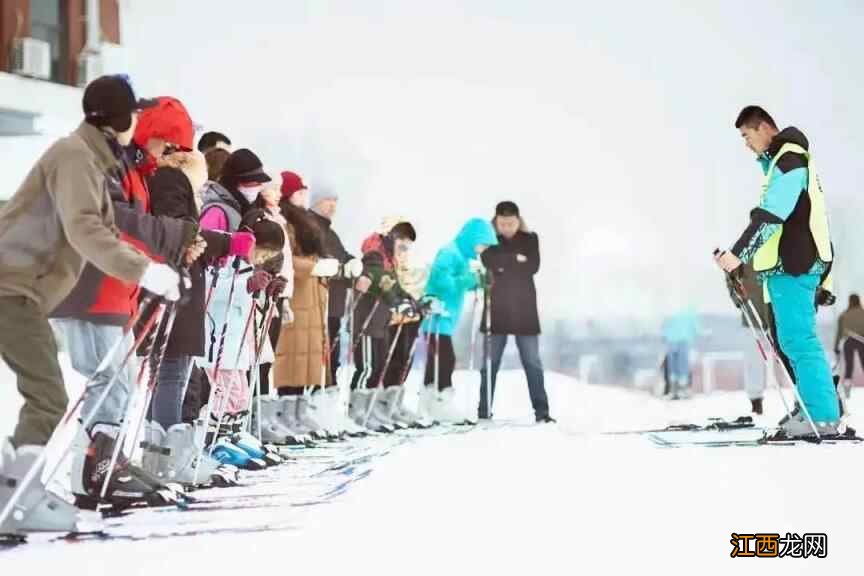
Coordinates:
x,y
850,334
513,264
789,244
679,333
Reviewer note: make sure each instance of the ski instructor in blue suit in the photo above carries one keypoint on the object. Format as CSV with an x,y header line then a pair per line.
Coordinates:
x,y
789,245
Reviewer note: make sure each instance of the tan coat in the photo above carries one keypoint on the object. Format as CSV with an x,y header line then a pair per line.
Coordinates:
x,y
302,343
60,218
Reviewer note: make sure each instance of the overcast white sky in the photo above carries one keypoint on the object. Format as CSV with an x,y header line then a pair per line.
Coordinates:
x,y
610,123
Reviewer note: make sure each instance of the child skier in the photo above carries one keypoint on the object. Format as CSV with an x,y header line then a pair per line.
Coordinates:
x,y
372,318
455,272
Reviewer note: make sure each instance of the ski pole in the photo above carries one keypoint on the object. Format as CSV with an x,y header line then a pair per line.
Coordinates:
x,y
213,282
166,324
380,383
31,474
473,331
487,359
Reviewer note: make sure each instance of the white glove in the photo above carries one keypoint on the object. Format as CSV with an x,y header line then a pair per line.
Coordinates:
x,y
476,266
353,268
326,268
161,280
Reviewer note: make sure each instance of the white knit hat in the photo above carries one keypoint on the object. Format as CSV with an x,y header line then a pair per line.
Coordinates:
x,y
319,194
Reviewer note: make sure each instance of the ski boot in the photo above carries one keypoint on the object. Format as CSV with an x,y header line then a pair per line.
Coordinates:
x,y
153,450
382,408
251,444
340,415
38,510
426,405
307,421
219,474
798,427
445,409
287,414
756,406
128,485
359,410
402,415
272,429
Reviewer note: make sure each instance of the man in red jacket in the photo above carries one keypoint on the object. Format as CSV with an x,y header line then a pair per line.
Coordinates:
x,y
95,315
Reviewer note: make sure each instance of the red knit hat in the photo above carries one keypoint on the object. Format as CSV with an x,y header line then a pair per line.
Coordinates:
x,y
291,183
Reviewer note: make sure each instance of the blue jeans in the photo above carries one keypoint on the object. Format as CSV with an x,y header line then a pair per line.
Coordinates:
x,y
88,344
529,354
795,316
678,365
167,405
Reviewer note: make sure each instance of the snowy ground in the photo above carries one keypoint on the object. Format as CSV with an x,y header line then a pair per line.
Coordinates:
x,y
524,499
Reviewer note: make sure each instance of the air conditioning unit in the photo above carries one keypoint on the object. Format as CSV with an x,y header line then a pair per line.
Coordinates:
x,y
31,57
90,67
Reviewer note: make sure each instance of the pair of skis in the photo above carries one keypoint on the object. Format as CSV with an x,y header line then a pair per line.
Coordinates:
x,y
742,431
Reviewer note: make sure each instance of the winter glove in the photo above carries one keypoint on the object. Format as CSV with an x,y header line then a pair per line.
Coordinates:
x,y
386,283
363,284
161,280
353,268
824,297
276,286
242,245
259,280
326,268
433,306
190,234
406,310
195,251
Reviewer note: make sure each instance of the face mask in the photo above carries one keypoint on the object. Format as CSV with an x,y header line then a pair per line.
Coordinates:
x,y
250,193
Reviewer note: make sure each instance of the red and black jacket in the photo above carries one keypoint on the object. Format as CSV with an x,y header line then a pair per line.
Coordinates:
x,y
102,299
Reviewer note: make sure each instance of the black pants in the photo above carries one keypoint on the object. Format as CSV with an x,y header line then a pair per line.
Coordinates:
x,y
850,348
442,347
334,326
369,358
397,371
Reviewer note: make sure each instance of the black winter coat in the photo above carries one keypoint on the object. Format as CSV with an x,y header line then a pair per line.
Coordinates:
x,y
171,195
514,296
333,248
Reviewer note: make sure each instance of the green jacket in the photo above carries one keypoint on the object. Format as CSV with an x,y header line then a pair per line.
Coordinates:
x,y
60,218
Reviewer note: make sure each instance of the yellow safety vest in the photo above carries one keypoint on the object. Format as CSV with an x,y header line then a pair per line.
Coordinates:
x,y
767,257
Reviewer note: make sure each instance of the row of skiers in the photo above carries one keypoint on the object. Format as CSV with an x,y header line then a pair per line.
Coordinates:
x,y
193,289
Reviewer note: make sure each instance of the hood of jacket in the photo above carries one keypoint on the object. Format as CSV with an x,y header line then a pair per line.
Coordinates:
x,y
475,232
169,121
790,135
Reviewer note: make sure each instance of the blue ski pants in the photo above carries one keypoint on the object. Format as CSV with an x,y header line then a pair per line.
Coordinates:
x,y
795,316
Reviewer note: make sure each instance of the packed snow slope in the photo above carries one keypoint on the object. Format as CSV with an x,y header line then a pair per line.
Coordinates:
x,y
518,499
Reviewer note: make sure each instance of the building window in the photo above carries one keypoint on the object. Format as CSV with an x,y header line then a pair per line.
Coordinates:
x,y
47,23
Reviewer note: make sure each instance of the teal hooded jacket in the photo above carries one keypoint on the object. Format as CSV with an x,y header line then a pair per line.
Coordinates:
x,y
451,277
